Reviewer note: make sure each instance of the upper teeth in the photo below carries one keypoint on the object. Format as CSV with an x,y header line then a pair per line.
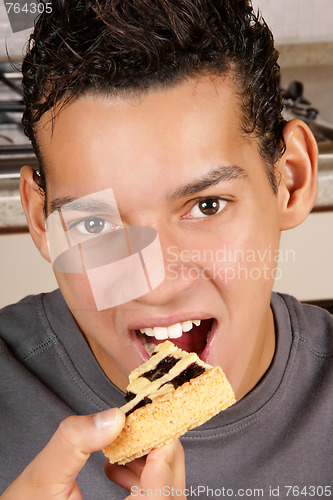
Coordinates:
x,y
170,332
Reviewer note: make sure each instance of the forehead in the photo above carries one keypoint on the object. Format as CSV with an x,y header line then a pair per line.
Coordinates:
x,y
204,99
179,129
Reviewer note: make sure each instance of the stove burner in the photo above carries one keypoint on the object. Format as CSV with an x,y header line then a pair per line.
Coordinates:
x,y
294,101
5,140
15,147
7,78
296,106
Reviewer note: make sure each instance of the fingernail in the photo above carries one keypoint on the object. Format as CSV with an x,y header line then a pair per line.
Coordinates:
x,y
108,418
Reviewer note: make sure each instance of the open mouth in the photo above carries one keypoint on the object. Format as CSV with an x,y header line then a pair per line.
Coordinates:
x,y
191,335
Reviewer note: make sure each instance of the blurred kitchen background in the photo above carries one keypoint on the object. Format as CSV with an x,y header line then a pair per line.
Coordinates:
x,y
303,32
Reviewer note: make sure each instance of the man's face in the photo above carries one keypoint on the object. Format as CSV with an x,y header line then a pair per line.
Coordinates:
x,y
177,161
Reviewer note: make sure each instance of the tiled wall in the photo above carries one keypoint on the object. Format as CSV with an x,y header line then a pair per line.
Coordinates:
x,y
290,20
298,20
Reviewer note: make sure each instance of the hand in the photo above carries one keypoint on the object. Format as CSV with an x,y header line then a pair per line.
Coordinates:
x,y
52,474
162,469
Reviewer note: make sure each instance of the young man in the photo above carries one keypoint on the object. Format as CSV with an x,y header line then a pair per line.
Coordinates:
x,y
163,114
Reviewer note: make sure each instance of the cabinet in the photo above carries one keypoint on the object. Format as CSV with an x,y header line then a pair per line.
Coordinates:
x,y
306,266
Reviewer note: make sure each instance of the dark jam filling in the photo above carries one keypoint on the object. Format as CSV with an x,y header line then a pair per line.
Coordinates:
x,y
129,396
143,402
191,372
163,367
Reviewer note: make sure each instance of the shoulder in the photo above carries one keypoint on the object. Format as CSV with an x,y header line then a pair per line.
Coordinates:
x,y
313,325
25,323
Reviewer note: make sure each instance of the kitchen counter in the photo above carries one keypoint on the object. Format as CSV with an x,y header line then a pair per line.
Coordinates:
x,y
12,218
325,185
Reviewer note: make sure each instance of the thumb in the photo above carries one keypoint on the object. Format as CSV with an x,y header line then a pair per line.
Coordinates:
x,y
76,438
54,470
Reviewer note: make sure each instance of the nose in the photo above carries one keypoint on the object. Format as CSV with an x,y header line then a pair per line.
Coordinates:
x,y
180,275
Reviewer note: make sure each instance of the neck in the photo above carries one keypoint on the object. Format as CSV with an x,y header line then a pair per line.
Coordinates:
x,y
261,359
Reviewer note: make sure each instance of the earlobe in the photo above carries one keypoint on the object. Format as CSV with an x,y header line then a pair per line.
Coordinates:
x,y
297,169
32,200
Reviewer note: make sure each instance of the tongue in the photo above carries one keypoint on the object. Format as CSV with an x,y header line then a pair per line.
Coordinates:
x,y
192,341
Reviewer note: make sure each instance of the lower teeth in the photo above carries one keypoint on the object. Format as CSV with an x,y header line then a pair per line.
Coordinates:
x,y
149,346
150,349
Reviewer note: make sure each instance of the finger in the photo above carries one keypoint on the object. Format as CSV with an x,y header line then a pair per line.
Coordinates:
x,y
165,466
55,468
179,466
127,475
76,438
137,465
121,475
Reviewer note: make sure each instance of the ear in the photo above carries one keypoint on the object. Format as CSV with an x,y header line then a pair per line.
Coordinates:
x,y
297,168
32,199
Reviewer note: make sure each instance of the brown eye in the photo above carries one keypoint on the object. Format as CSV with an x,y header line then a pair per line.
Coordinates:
x,y
209,206
206,207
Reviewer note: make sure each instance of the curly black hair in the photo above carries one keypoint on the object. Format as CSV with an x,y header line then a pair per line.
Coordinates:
x,y
121,46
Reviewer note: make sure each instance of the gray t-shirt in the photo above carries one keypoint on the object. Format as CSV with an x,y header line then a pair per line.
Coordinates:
x,y
275,443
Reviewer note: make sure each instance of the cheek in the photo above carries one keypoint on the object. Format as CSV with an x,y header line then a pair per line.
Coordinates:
x,y
241,259
77,291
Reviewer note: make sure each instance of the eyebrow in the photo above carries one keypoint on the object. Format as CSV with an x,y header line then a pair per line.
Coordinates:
x,y
215,176
80,205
